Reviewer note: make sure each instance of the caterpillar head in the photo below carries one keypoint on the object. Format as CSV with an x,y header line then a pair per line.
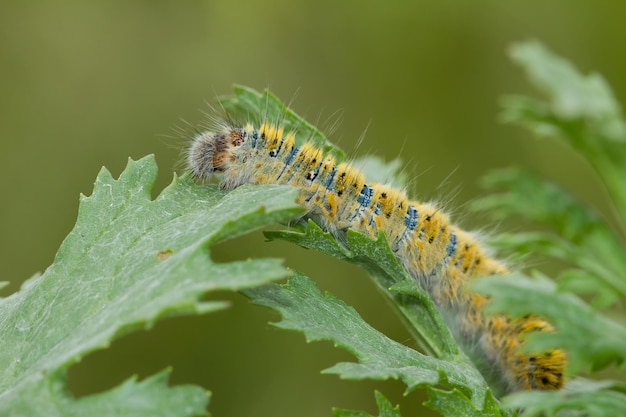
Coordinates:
x,y
211,151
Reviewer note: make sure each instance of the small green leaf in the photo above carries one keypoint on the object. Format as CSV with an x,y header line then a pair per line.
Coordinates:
x,y
550,204
579,281
248,105
128,262
148,398
573,96
580,110
384,408
582,397
454,403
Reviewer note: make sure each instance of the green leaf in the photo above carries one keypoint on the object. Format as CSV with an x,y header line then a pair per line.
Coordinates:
x,y
148,398
573,96
454,403
384,407
580,236
324,317
580,110
550,204
128,262
591,340
578,281
581,398
247,105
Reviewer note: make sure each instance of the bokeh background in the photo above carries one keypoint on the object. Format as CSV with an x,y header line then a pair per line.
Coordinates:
x,y
89,84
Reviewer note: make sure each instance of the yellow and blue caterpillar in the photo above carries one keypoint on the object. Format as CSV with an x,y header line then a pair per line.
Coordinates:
x,y
439,255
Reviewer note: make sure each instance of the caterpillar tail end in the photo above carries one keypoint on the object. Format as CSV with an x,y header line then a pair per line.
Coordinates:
x,y
541,372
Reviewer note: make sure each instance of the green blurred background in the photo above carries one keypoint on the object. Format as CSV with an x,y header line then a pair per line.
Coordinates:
x,y
89,84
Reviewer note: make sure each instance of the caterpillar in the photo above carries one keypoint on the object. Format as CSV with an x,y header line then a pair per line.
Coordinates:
x,y
438,254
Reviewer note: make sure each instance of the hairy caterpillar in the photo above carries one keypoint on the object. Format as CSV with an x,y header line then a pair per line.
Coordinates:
x,y
439,255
